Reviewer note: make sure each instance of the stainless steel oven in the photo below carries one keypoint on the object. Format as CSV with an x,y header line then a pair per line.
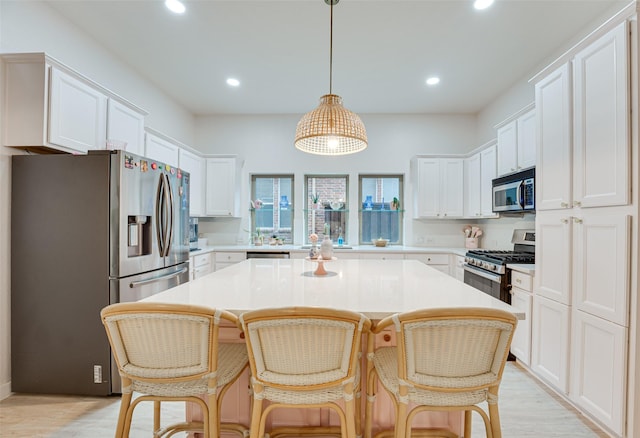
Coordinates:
x,y
487,282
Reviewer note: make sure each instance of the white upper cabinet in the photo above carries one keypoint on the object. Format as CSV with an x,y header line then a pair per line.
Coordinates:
x,y
51,106
438,187
77,114
472,189
553,172
125,124
488,172
222,186
161,149
517,144
195,165
601,121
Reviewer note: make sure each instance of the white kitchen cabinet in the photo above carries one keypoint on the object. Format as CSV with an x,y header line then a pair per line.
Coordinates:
x,y
472,187
195,165
601,254
601,121
77,113
202,265
436,260
125,124
554,256
522,299
379,256
553,127
488,172
224,259
550,341
598,369
161,149
50,106
438,187
222,186
457,267
593,170
516,144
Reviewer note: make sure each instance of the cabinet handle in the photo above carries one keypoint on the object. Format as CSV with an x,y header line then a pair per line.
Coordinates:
x,y
386,338
564,221
445,214
518,280
241,335
564,204
577,220
577,204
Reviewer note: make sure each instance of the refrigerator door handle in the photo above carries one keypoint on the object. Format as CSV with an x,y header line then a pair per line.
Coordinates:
x,y
139,283
159,213
171,213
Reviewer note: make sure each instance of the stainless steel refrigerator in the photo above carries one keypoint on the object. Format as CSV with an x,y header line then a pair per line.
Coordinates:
x,y
87,231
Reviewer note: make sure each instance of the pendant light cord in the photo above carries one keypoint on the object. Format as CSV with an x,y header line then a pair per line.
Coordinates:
x,y
331,52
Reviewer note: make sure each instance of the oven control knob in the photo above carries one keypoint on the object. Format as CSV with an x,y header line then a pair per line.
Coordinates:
x,y
493,267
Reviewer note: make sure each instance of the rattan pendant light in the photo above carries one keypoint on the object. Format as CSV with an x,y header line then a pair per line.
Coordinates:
x,y
331,129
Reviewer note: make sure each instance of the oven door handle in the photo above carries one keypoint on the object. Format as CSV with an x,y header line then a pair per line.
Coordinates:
x,y
489,276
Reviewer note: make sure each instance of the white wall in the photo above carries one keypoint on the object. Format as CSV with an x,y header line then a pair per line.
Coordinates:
x,y
265,143
27,26
32,26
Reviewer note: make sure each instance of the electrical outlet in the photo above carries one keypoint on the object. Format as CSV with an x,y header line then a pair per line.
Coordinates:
x,y
97,374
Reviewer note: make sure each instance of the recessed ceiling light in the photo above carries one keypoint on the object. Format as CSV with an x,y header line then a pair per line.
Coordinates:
x,y
482,4
175,6
433,80
233,82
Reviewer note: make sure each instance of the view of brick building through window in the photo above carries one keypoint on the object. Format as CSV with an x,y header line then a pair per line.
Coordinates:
x,y
330,212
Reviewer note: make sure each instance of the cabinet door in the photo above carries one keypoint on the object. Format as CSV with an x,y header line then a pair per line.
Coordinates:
x,y
124,124
526,143
77,114
601,122
553,256
472,192
598,370
601,265
162,150
550,341
426,187
507,137
553,125
521,343
452,187
195,166
220,187
488,172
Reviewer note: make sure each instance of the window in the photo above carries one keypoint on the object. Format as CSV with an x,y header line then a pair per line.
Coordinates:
x,y
381,208
272,212
328,214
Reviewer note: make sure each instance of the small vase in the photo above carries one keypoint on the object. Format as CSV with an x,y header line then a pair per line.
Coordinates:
x,y
284,202
313,251
326,248
368,203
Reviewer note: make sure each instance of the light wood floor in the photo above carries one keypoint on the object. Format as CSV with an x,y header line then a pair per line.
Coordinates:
x,y
527,410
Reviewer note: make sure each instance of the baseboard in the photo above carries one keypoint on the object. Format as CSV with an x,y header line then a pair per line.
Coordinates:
x,y
5,390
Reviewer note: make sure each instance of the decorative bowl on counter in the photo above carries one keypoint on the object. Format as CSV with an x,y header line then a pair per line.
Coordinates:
x,y
380,242
336,205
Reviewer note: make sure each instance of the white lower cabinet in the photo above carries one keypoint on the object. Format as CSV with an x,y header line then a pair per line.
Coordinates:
x,y
379,256
437,261
550,342
598,369
201,264
522,299
225,259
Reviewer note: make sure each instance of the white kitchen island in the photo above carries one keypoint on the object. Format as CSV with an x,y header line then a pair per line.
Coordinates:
x,y
377,288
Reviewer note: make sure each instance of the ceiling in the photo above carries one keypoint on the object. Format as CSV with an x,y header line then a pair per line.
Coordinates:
x,y
382,50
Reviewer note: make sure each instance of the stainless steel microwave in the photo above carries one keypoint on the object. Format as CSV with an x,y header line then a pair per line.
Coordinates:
x,y
515,193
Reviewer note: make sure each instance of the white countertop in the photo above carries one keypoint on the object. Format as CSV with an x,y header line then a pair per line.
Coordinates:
x,y
522,267
377,288
357,248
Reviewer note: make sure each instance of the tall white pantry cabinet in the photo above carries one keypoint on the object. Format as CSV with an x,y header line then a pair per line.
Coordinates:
x,y
584,325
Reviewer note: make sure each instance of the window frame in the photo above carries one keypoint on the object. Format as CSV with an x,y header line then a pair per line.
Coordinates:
x,y
288,231
386,207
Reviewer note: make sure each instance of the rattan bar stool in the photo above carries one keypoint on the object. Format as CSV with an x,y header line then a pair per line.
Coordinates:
x,y
305,357
170,352
445,360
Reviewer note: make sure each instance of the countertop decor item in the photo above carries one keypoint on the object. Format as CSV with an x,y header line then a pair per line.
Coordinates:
x,y
471,234
380,242
331,129
336,205
326,248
